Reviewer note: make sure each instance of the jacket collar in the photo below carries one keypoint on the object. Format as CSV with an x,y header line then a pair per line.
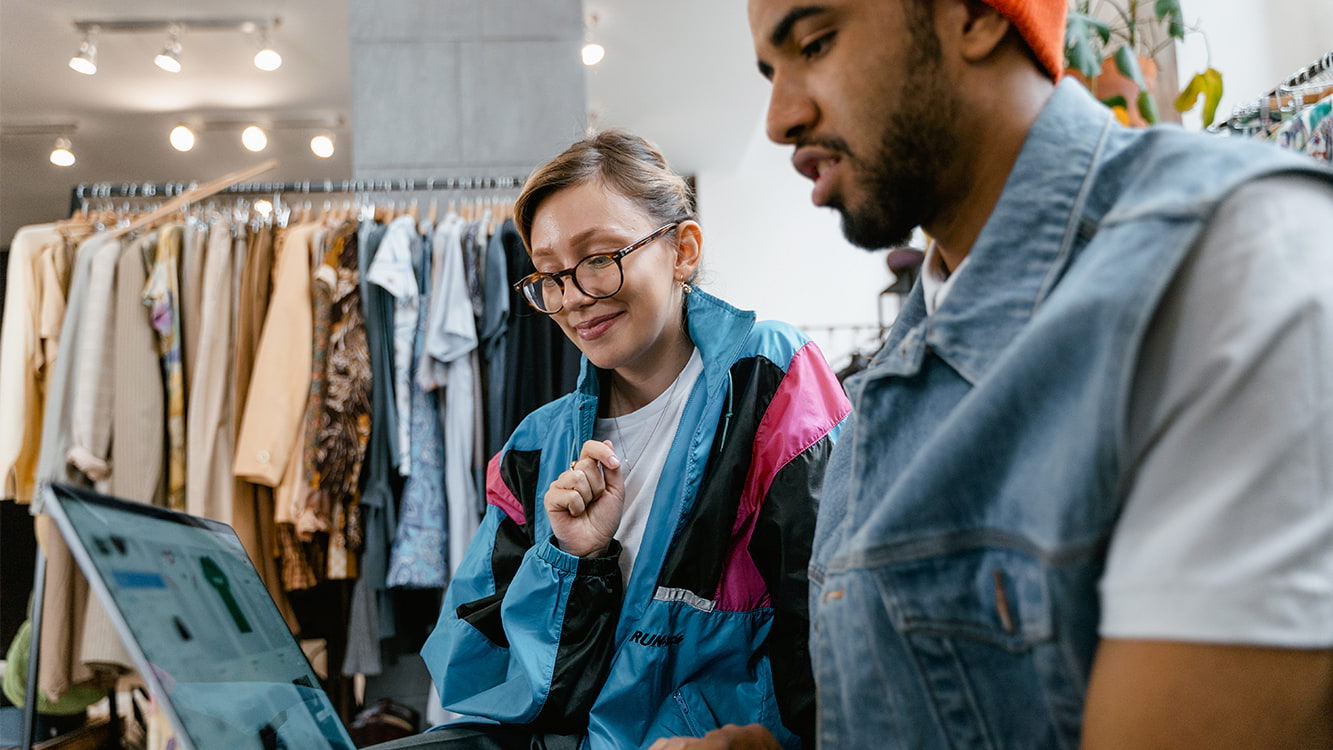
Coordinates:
x,y
717,329
1021,251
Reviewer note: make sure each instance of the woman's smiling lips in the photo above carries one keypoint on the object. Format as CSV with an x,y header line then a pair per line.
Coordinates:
x,y
596,327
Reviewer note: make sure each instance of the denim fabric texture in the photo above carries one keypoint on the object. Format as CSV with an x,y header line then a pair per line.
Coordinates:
x,y
967,508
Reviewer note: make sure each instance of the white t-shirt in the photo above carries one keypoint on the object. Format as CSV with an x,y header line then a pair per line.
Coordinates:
x,y
642,440
1226,535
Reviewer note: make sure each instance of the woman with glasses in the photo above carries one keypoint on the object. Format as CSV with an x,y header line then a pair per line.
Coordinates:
x,y
640,572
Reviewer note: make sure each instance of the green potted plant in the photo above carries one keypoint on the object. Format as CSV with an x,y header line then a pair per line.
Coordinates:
x,y
1110,46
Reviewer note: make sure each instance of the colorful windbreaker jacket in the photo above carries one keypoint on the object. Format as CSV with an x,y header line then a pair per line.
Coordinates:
x,y
713,627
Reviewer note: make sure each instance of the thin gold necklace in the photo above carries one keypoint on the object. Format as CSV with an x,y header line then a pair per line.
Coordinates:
x,y
630,463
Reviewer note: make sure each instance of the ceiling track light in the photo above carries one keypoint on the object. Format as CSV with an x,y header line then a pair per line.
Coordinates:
x,y
266,59
254,138
181,138
63,153
85,61
169,59
592,51
322,145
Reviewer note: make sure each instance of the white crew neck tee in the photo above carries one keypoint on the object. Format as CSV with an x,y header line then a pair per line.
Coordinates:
x,y
642,440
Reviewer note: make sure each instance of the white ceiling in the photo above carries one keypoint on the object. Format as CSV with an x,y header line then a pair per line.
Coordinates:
x,y
679,73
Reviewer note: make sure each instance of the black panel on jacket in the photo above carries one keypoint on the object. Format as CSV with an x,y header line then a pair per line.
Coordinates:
x,y
698,555
587,644
780,548
518,470
511,543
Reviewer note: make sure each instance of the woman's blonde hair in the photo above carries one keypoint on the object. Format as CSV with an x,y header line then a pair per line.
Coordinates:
x,y
623,162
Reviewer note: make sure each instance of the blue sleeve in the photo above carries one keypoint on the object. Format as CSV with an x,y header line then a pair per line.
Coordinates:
x,y
526,633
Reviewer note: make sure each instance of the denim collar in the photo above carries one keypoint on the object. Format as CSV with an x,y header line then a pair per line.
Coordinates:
x,y
1021,251
717,329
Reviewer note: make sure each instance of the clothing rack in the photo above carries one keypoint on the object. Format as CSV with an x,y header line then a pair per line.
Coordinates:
x,y
1296,83
171,189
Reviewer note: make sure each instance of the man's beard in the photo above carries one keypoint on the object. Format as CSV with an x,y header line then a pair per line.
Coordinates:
x,y
899,184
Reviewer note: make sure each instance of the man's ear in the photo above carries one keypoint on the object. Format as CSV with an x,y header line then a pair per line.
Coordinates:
x,y
975,28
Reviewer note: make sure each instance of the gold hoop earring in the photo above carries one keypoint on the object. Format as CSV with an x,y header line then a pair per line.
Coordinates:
x,y
685,287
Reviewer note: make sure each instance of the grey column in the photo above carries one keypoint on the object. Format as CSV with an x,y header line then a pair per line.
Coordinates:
x,y
464,87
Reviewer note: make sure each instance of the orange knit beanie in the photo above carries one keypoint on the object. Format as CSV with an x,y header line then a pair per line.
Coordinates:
x,y
1042,24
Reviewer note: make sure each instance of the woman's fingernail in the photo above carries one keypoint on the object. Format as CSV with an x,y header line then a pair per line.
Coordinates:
x,y
613,461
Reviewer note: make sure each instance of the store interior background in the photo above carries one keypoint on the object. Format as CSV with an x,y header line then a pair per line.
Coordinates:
x,y
468,88
463,87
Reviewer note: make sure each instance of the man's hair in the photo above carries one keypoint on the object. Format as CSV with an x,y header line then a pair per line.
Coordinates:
x,y
622,162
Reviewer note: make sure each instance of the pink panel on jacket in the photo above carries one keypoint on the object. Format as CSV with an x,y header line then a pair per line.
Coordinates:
x,y
498,494
808,403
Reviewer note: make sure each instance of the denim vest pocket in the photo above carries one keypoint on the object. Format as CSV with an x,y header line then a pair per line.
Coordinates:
x,y
994,596
975,624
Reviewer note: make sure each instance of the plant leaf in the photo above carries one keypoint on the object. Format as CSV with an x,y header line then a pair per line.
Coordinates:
x,y
1212,94
1082,51
1128,65
1169,11
1190,95
1116,101
1147,107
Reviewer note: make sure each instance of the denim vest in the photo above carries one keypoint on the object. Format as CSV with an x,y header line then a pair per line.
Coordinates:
x,y
967,509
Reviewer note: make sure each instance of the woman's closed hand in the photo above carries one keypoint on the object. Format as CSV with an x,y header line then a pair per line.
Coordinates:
x,y
584,503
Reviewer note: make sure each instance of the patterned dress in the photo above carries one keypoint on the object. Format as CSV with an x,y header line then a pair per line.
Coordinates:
x,y
162,295
420,549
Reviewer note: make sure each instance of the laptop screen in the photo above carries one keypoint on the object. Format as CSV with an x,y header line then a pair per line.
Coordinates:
x,y
204,623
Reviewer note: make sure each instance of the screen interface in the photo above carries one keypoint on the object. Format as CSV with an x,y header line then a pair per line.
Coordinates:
x,y
208,628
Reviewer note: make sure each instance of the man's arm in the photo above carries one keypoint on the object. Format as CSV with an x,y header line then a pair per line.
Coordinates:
x,y
1156,694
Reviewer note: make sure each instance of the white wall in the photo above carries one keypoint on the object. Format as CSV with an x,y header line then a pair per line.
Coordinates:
x,y
767,248
1254,44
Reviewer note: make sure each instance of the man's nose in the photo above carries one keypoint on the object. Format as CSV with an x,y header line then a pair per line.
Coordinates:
x,y
791,113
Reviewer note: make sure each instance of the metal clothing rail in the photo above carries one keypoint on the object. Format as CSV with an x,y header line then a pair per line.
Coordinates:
x,y
1293,84
172,189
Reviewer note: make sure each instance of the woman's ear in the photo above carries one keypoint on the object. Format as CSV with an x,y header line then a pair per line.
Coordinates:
x,y
689,249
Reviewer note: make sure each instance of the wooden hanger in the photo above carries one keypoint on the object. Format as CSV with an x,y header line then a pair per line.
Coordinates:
x,y
197,194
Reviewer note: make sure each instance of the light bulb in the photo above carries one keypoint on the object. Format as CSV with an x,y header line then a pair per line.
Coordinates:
x,y
593,53
86,61
182,138
254,138
61,155
268,59
169,59
322,145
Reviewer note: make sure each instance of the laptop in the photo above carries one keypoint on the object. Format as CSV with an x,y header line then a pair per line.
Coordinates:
x,y
200,625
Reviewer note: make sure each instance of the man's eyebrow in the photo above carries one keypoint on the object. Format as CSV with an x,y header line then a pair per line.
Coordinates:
x,y
793,16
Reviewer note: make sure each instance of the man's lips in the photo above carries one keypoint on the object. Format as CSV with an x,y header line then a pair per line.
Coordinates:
x,y
595,327
820,165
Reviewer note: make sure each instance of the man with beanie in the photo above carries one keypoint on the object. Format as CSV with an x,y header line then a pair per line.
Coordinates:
x,y
1085,496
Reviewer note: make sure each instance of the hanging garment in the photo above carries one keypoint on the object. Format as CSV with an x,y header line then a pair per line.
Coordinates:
x,y
138,418
392,271
253,511
209,427
344,429
449,345
280,380
162,297
541,363
92,411
494,327
372,616
419,558
196,243
21,397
